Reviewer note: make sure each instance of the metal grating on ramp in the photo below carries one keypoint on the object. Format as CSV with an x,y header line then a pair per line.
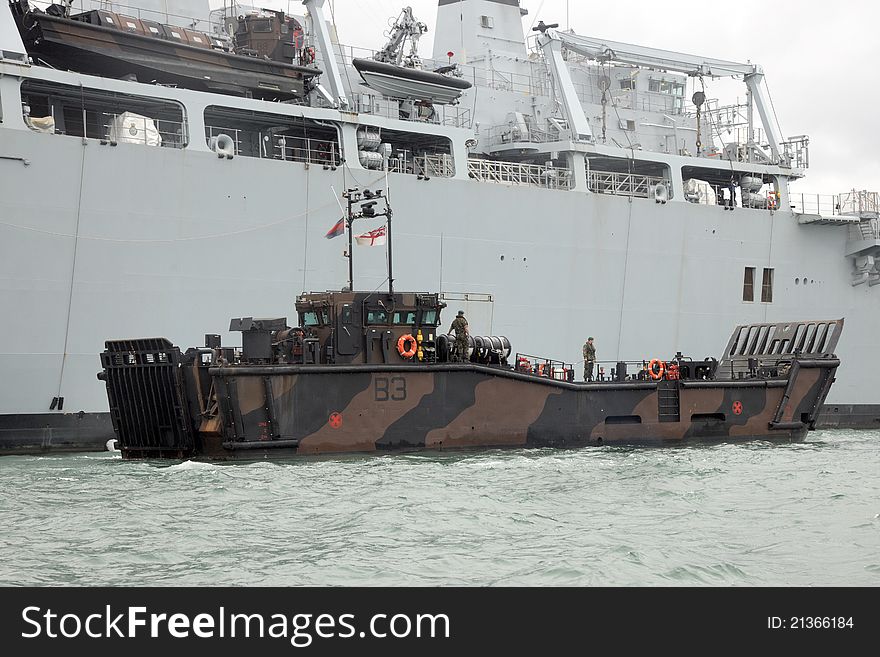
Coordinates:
x,y
145,392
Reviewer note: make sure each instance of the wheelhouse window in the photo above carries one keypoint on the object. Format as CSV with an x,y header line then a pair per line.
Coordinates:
x,y
429,317
767,286
749,284
315,318
405,317
377,316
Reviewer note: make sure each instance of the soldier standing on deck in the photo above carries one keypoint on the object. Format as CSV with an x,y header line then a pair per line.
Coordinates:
x,y
460,328
589,359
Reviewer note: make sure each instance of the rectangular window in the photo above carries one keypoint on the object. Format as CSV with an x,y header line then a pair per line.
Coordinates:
x,y
749,284
487,22
99,114
377,317
627,83
670,87
767,286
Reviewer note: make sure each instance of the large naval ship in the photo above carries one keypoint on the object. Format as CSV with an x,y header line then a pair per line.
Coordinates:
x,y
163,165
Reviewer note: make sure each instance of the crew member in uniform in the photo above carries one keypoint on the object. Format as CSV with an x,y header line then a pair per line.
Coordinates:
x,y
460,328
589,359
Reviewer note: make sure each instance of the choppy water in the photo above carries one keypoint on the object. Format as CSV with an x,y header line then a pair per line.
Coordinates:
x,y
730,514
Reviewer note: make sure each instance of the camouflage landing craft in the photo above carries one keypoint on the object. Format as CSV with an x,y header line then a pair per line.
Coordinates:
x,y
368,371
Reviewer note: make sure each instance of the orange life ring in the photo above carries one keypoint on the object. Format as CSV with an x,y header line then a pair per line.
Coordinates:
x,y
656,375
401,346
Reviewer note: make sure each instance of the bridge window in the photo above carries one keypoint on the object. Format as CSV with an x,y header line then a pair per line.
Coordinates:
x,y
671,87
749,284
377,317
405,317
274,136
315,318
99,114
767,286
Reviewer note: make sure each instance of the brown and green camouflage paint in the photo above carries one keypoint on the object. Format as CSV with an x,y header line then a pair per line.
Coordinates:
x,y
331,409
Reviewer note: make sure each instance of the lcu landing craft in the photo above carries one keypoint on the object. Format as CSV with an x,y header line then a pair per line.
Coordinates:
x,y
371,371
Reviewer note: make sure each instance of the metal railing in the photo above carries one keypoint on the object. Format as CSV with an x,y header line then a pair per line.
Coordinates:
x,y
858,203
624,184
280,147
517,173
506,133
202,23
544,367
797,151
821,204
449,115
440,165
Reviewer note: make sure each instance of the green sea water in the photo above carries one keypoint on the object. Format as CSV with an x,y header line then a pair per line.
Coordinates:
x,y
730,514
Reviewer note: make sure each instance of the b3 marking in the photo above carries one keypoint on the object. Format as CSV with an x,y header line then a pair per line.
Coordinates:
x,y
389,388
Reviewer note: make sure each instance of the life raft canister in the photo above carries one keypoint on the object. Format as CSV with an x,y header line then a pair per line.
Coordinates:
x,y
656,374
402,349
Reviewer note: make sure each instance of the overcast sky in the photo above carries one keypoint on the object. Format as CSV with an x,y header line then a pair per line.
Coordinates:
x,y
820,59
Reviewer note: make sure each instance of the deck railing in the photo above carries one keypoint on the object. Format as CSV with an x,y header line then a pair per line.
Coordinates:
x,y
281,147
450,115
859,203
623,184
440,165
517,173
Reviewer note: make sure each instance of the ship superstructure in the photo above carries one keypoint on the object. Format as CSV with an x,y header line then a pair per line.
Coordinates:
x,y
576,182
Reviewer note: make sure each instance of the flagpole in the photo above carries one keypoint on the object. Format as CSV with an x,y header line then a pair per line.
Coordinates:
x,y
388,209
348,221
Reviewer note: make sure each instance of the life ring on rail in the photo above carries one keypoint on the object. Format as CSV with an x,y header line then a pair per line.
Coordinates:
x,y
656,374
401,346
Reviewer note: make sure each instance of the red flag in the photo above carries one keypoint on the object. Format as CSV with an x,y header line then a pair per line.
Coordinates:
x,y
337,230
